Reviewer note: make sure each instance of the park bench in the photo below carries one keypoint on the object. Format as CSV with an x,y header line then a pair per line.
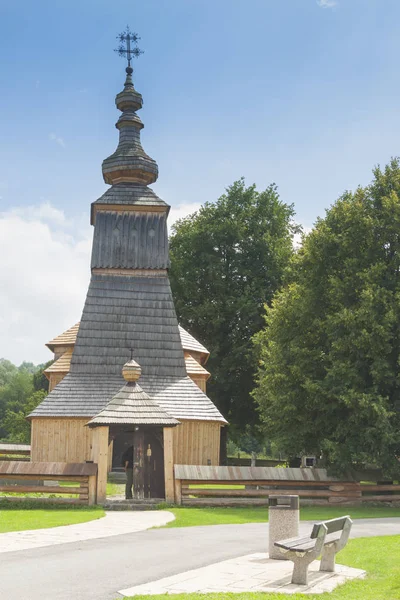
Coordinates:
x,y
326,538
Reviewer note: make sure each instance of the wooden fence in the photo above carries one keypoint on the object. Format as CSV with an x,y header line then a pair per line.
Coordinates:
x,y
242,486
20,452
260,462
61,483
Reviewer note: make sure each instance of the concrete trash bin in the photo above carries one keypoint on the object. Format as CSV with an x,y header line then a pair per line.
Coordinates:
x,y
283,522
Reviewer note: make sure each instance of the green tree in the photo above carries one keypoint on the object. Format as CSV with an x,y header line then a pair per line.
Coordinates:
x,y
7,369
40,381
329,375
227,261
14,395
15,422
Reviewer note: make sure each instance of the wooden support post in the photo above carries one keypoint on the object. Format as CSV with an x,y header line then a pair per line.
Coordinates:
x,y
178,491
100,456
138,463
110,455
169,464
92,489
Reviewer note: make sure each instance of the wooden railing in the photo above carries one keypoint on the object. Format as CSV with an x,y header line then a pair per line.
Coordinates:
x,y
15,452
241,486
55,483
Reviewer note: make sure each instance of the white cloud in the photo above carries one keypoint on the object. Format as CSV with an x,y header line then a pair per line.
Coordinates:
x,y
55,138
327,3
181,211
44,274
43,212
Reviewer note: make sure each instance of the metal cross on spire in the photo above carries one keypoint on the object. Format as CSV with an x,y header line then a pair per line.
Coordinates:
x,y
125,48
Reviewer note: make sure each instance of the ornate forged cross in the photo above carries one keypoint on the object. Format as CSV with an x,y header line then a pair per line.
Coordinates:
x,y
125,49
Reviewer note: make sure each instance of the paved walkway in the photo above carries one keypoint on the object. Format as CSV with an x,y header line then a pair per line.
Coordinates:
x,y
250,573
95,569
114,523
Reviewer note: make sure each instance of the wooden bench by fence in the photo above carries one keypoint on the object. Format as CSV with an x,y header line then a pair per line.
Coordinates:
x,y
19,452
77,479
326,538
241,486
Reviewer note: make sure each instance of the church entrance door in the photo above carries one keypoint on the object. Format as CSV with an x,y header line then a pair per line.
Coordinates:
x,y
148,458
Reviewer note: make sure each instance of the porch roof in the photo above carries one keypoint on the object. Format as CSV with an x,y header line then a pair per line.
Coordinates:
x,y
132,406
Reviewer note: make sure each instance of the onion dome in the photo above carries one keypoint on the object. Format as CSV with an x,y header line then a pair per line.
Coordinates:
x,y
131,371
129,163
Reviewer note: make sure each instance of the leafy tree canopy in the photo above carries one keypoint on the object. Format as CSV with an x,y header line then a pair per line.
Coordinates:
x,y
329,377
15,423
227,261
18,386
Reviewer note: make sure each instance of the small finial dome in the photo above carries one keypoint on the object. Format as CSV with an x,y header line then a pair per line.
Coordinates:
x,y
131,371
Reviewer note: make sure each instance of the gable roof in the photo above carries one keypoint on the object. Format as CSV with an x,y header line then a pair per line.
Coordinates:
x,y
61,365
64,339
190,343
195,368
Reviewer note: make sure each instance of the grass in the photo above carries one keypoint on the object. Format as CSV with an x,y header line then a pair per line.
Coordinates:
x,y
190,517
25,516
380,557
44,518
115,489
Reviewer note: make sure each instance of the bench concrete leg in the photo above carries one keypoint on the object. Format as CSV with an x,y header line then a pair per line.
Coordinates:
x,y
328,559
300,570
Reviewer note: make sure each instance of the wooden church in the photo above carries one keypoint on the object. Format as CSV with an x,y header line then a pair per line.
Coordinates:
x,y
127,373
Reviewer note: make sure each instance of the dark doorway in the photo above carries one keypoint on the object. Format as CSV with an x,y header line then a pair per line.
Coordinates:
x,y
153,457
155,463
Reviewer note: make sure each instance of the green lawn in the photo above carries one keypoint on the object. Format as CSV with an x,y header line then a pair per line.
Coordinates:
x,y
20,519
380,557
190,517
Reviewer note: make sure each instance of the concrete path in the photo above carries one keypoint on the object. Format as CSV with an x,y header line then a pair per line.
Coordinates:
x,y
114,523
96,569
251,573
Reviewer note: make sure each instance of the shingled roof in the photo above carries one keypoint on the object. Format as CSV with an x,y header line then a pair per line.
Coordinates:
x,y
64,339
62,365
132,406
195,368
190,343
86,395
129,303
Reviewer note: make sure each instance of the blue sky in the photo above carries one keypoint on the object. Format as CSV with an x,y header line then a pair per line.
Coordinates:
x,y
303,93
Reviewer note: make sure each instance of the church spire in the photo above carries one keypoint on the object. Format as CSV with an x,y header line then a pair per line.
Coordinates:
x,y
129,163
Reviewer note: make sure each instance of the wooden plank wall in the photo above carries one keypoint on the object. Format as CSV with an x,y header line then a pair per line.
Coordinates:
x,y
197,443
60,440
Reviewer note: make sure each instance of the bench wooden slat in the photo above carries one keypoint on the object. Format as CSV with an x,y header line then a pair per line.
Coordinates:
x,y
332,525
304,544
